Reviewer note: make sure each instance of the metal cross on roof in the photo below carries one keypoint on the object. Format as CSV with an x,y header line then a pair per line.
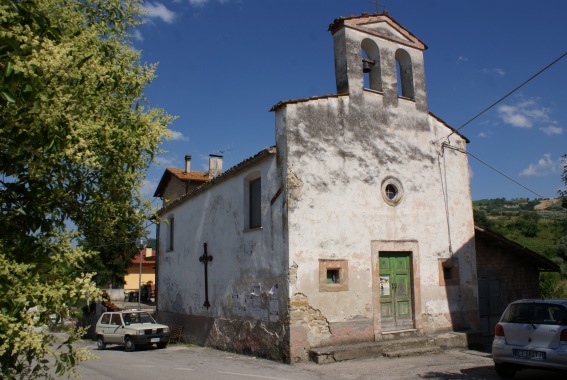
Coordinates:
x,y
377,5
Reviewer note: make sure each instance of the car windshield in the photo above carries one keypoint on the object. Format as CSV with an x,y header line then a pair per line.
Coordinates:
x,y
143,317
536,313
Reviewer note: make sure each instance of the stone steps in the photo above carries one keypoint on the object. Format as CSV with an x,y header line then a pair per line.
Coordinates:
x,y
394,347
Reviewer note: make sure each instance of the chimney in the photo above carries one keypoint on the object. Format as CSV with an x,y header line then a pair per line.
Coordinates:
x,y
149,252
187,163
215,165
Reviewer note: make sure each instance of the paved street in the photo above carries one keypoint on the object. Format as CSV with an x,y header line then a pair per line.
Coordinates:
x,y
179,361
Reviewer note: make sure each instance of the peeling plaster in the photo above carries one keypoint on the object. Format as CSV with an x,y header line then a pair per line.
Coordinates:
x,y
302,312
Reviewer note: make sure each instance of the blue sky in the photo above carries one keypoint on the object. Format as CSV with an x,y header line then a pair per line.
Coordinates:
x,y
224,63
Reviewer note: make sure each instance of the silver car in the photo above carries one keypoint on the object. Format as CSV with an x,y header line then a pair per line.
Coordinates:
x,y
532,333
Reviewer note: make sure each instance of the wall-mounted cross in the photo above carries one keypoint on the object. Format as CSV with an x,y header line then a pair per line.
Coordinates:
x,y
205,258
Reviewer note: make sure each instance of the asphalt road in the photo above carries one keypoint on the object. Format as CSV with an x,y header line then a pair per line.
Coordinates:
x,y
179,361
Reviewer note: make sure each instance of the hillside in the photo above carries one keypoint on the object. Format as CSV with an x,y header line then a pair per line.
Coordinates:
x,y
537,224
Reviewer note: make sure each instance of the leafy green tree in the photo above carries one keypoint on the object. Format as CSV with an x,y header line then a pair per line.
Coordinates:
x,y
527,223
554,285
75,140
563,193
481,219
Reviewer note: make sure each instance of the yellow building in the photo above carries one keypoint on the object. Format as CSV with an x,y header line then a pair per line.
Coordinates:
x,y
131,280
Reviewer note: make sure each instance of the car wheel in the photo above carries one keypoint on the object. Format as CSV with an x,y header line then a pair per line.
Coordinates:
x,y
129,345
100,342
161,345
505,371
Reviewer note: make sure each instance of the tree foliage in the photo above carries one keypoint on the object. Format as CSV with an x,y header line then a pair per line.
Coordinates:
x,y
76,137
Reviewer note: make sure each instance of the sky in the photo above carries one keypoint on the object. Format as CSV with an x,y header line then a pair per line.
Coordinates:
x,y
222,64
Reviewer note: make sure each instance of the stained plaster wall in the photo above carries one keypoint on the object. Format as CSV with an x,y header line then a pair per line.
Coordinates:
x,y
335,153
242,259
174,189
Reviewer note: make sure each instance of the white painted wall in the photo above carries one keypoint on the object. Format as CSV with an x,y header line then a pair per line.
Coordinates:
x,y
241,257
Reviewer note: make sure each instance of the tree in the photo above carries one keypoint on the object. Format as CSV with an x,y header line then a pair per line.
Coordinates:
x,y
563,193
75,140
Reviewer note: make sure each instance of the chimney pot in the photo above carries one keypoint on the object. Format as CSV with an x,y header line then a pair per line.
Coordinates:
x,y
187,163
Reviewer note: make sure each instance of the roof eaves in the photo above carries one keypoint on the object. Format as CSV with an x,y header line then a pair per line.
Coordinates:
x,y
163,183
543,262
453,130
304,100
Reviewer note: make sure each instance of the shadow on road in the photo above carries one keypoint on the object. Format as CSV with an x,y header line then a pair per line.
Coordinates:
x,y
476,373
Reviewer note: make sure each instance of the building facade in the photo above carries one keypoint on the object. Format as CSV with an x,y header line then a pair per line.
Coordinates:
x,y
356,226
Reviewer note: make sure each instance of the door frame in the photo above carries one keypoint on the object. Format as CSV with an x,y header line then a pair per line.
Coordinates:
x,y
411,247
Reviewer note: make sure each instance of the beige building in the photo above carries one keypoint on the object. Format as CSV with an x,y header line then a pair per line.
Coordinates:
x,y
132,278
356,227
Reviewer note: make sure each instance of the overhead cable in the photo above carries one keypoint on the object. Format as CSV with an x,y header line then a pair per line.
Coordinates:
x,y
445,145
504,97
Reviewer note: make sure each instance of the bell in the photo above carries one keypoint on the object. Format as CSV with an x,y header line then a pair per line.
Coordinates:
x,y
367,65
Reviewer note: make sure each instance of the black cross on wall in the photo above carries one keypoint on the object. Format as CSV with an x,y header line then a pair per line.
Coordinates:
x,y
205,258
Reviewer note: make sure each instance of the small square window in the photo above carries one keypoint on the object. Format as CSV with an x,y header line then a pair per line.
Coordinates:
x,y
333,275
448,272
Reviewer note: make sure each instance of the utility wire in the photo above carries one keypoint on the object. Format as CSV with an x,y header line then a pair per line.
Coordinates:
x,y
445,145
504,97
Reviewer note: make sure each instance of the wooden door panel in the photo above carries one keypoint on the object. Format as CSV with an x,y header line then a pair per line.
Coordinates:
x,y
395,291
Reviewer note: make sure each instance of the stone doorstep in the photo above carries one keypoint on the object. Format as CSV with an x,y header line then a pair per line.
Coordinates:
x,y
412,346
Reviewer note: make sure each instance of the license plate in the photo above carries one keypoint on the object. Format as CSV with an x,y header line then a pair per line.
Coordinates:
x,y
528,354
154,340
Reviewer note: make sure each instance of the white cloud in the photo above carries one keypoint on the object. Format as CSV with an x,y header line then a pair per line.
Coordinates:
x,y
462,59
164,161
525,114
551,130
202,3
494,70
545,166
158,10
138,35
514,116
148,188
178,136
482,135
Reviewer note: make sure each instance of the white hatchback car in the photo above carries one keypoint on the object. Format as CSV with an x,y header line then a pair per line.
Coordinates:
x,y
131,329
532,333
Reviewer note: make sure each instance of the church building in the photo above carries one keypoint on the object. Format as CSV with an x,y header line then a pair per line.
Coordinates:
x,y
357,226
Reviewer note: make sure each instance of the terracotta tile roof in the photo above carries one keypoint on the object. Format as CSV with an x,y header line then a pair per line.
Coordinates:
x,y
193,176
145,260
221,178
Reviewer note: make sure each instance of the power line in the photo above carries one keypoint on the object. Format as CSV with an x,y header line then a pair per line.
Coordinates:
x,y
445,145
504,97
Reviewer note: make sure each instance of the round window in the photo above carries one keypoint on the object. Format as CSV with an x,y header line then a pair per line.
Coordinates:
x,y
392,191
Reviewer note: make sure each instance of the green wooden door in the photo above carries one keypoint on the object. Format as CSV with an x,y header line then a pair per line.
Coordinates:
x,y
395,291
